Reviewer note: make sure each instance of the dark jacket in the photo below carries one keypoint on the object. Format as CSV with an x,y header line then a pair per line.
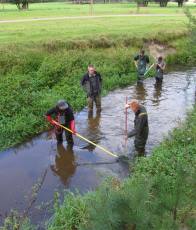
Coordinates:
x,y
142,62
92,86
159,70
141,129
55,113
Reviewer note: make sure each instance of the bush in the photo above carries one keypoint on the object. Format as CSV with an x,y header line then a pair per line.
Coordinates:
x,y
44,81
46,72
159,195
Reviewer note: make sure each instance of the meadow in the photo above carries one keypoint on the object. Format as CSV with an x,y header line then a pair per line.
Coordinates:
x,y
57,9
47,31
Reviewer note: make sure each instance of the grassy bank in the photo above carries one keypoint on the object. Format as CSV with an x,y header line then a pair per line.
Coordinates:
x,y
33,33
160,194
34,78
37,82
42,62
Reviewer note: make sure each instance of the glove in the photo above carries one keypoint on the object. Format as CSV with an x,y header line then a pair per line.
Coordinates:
x,y
52,122
72,126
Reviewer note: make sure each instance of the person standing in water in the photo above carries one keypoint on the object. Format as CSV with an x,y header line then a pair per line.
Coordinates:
x,y
141,61
160,67
92,85
141,129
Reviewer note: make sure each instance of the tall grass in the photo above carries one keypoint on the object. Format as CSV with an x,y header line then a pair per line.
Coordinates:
x,y
32,85
33,78
159,195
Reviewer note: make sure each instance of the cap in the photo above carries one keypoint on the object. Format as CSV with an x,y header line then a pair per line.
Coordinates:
x,y
62,104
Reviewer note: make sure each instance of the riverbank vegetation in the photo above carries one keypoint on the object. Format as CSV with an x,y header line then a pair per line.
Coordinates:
x,y
160,193
34,77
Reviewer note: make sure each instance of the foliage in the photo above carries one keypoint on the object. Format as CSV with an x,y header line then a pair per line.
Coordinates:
x,y
56,76
192,29
186,52
21,4
53,70
15,222
159,195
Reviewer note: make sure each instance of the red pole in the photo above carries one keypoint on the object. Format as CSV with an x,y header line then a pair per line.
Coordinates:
x,y
126,123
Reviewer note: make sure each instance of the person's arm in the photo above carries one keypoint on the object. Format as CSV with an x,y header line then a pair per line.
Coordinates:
x,y
132,133
100,78
147,62
83,84
72,121
100,81
72,126
163,66
136,58
48,116
141,123
147,59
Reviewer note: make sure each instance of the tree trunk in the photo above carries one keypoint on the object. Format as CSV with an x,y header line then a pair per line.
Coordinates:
x,y
180,3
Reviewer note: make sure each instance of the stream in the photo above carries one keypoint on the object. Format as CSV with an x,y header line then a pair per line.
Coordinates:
x,y
77,169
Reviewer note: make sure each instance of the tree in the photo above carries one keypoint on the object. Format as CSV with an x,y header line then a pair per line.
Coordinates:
x,y
21,4
191,26
163,3
180,3
142,3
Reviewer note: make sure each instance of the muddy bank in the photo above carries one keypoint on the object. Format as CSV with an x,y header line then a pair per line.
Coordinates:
x,y
157,49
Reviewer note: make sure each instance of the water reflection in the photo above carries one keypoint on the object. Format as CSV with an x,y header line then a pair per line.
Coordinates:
x,y
140,92
157,93
176,95
93,131
65,165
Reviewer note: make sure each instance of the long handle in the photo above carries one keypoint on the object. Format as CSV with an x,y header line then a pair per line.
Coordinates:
x,y
148,69
126,123
85,139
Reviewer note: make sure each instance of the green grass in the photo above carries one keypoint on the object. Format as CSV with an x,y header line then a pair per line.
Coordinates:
x,y
85,28
45,31
36,81
160,194
65,9
41,62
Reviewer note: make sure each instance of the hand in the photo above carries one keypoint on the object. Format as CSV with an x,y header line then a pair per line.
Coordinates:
x,y
53,122
74,132
135,63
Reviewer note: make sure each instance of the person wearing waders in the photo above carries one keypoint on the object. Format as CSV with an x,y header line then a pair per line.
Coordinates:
x,y
160,66
92,84
63,114
140,131
141,61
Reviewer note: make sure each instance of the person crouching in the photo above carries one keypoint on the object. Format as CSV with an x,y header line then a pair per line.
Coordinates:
x,y
63,114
